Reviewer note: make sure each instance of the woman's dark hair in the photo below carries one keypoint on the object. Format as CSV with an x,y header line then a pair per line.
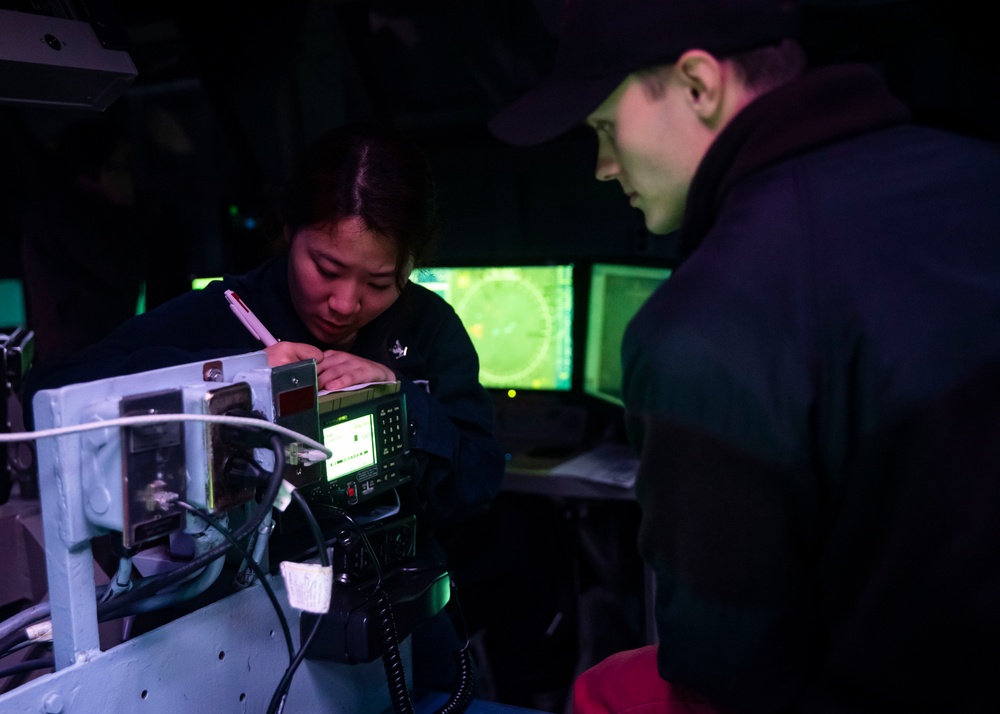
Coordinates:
x,y
371,172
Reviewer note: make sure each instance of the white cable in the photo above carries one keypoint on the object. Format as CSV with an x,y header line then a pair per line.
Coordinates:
x,y
311,456
122,582
159,418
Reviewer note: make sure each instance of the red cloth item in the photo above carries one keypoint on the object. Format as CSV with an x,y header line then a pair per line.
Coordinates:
x,y
629,683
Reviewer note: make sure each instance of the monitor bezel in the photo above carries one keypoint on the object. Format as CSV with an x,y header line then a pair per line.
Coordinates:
x,y
573,264
587,297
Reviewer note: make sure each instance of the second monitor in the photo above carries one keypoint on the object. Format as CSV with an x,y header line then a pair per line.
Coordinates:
x,y
617,291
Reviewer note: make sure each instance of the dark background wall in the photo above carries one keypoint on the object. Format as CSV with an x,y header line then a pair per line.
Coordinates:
x,y
229,91
224,99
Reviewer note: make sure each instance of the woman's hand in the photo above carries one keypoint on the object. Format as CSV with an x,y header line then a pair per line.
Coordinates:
x,y
287,352
338,370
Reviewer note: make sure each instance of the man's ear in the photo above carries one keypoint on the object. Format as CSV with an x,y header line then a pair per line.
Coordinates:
x,y
701,76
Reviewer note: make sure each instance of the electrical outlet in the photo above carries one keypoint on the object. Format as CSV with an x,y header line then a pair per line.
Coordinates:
x,y
236,399
153,468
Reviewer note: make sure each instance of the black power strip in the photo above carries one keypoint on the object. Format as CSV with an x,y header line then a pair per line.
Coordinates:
x,y
394,543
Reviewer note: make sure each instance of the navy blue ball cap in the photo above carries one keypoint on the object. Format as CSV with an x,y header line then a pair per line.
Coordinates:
x,y
601,42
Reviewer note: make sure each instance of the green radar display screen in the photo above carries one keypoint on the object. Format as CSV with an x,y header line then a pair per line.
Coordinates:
x,y
617,291
520,319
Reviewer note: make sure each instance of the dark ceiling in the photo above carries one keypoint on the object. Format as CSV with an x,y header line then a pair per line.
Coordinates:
x,y
444,67
451,64
418,63
446,63
247,84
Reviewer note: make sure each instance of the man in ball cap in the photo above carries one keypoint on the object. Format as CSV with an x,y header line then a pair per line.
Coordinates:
x,y
815,392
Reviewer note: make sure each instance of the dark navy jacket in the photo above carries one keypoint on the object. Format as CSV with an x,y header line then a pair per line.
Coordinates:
x,y
815,393
452,427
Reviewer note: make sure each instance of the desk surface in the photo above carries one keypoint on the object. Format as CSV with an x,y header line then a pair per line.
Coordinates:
x,y
532,475
519,480
529,474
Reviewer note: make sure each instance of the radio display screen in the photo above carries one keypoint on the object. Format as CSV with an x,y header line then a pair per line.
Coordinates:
x,y
353,445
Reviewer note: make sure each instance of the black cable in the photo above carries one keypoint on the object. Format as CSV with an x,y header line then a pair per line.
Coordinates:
x,y
391,658
27,665
462,696
281,691
317,532
277,703
12,640
207,517
392,661
114,608
368,546
33,651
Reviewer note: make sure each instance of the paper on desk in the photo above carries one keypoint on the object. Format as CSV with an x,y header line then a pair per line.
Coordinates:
x,y
353,387
611,464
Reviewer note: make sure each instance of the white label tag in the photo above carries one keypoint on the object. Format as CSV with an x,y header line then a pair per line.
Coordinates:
x,y
309,585
41,630
284,498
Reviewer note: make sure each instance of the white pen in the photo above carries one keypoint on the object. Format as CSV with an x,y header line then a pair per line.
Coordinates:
x,y
249,320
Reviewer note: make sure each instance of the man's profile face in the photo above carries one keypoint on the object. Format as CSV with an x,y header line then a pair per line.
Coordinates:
x,y
651,143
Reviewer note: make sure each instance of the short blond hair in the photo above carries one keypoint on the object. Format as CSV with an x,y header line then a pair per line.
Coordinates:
x,y
765,68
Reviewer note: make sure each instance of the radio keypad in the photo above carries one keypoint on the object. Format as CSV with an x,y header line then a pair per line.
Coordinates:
x,y
390,418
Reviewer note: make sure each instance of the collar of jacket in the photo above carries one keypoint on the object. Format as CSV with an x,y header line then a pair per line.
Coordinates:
x,y
823,106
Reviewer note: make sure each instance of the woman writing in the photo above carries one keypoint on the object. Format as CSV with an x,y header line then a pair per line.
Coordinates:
x,y
357,216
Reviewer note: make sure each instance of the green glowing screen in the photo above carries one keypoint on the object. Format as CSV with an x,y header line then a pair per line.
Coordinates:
x,y
617,291
520,319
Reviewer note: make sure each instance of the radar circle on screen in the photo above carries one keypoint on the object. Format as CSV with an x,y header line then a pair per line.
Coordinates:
x,y
511,329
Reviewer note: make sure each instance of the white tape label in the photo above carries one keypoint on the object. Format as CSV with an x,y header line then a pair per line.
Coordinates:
x,y
309,585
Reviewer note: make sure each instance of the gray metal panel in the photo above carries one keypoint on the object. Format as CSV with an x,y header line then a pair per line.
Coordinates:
x,y
56,61
226,657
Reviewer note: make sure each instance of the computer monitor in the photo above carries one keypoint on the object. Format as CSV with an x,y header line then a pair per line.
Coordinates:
x,y
11,303
617,291
201,282
140,303
520,319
